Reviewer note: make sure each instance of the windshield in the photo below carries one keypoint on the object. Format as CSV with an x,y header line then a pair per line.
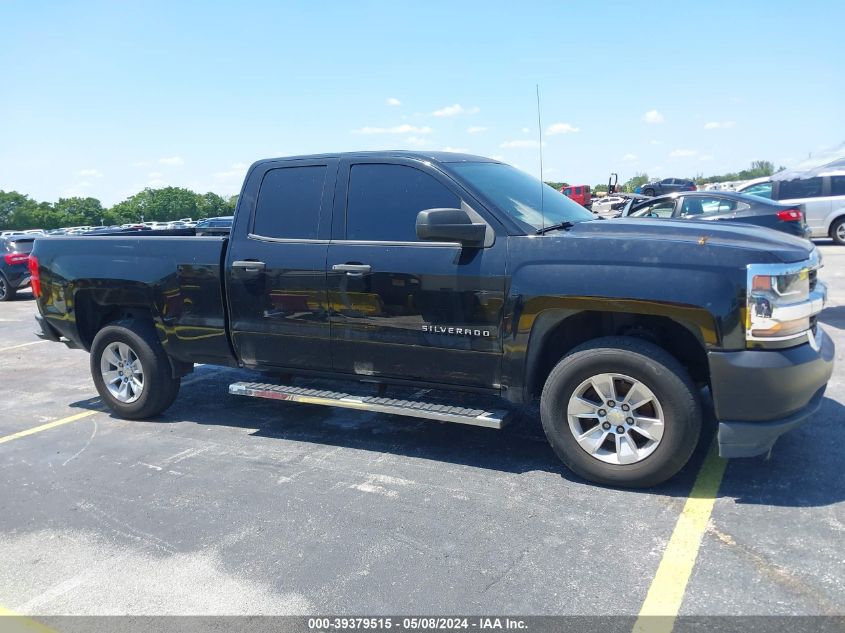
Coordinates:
x,y
518,194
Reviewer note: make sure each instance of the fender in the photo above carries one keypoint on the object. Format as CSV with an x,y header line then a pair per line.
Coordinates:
x,y
601,300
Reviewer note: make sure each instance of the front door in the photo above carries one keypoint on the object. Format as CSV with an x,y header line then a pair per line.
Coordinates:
x,y
405,308
276,273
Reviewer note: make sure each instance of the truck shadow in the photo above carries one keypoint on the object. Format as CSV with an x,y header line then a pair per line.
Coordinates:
x,y
804,470
833,316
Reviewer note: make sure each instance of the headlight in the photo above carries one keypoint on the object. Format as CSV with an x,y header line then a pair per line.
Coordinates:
x,y
783,300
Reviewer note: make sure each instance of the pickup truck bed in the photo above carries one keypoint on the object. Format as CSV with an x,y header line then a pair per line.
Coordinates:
x,y
100,279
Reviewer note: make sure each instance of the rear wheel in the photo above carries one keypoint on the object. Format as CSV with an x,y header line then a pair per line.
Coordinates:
x,y
837,231
131,370
7,293
649,192
621,411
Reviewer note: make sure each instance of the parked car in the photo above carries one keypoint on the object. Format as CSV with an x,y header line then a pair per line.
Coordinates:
x,y
724,206
667,185
446,270
613,206
221,225
14,257
578,193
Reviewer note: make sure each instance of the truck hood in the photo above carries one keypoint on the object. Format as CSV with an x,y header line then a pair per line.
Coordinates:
x,y
758,245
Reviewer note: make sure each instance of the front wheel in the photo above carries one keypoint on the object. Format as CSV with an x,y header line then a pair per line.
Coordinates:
x,y
837,231
621,411
131,370
649,192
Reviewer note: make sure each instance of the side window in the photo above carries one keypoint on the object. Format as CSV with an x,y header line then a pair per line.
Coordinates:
x,y
662,209
807,188
837,185
384,200
289,202
567,192
762,190
700,205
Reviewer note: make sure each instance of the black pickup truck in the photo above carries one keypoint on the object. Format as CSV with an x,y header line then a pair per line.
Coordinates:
x,y
456,272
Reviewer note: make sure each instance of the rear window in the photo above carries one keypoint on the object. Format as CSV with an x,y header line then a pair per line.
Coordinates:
x,y
807,188
21,246
837,185
289,202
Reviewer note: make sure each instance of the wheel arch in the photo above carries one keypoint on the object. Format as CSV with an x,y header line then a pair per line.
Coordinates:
x,y
556,332
95,310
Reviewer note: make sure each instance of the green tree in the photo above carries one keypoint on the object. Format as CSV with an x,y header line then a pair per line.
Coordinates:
x,y
637,180
74,212
158,205
17,210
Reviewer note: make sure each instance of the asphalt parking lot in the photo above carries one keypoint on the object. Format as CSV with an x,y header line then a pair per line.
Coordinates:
x,y
226,505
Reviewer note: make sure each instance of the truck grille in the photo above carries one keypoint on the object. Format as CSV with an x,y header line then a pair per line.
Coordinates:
x,y
813,279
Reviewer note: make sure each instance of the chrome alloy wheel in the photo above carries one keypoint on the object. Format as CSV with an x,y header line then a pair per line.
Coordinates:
x,y
615,418
840,231
122,372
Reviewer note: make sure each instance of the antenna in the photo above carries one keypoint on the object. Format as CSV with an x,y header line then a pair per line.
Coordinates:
x,y
540,133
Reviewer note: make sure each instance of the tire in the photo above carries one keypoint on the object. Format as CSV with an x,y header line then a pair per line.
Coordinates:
x,y
837,231
632,361
649,193
158,388
7,293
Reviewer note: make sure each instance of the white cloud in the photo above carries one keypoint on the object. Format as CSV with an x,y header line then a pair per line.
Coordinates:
x,y
476,129
526,130
90,173
405,128
155,174
454,110
653,116
141,163
716,125
520,144
680,153
393,101
457,150
416,141
171,161
156,183
561,128
237,171
705,157
630,157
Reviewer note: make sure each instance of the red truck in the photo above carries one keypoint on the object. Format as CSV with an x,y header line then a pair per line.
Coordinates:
x,y
578,193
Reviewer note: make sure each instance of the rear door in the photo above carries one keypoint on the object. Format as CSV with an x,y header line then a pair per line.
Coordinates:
x,y
404,308
275,268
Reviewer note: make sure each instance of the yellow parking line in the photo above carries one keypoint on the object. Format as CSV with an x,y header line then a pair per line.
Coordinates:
x,y
45,427
11,622
6,349
664,598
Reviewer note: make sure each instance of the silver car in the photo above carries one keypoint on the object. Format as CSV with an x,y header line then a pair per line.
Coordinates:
x,y
821,197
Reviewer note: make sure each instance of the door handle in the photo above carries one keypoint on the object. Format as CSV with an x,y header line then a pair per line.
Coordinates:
x,y
352,268
249,266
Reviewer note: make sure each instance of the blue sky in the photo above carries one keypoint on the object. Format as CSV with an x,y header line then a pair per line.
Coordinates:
x,y
105,98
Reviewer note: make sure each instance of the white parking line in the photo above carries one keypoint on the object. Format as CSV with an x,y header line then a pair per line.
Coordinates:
x,y
6,349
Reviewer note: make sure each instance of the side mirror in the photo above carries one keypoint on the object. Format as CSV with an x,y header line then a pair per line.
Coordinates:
x,y
450,225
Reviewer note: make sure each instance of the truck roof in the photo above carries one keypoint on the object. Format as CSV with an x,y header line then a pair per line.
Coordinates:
x,y
437,157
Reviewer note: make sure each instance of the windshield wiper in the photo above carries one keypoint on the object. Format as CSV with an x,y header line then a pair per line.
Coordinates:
x,y
555,227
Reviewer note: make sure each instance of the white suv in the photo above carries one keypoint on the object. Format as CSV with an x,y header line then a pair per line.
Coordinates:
x,y
821,197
